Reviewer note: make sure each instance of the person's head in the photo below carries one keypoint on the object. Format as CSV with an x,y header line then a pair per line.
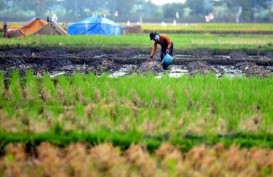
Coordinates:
x,y
154,36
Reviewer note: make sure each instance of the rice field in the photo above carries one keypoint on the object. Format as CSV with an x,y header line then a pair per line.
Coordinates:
x,y
182,42
145,105
135,126
220,38
106,160
138,125
220,28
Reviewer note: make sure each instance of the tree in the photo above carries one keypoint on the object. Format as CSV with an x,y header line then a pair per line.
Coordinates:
x,y
2,4
123,7
197,7
170,10
248,7
39,6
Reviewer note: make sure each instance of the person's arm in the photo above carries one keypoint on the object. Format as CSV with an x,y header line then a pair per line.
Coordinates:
x,y
153,50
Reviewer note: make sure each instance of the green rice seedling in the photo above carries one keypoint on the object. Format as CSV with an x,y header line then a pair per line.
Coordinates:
x,y
31,88
143,86
2,86
79,88
90,87
222,28
64,90
122,89
166,109
15,88
52,104
79,110
8,110
33,102
183,42
103,84
48,90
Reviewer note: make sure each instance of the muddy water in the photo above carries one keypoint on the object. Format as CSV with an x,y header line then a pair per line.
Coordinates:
x,y
61,62
176,71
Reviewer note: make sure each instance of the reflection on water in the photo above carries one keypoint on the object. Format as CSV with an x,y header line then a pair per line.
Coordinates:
x,y
176,71
228,70
124,70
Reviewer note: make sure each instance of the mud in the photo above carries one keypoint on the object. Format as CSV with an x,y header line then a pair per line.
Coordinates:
x,y
56,62
200,67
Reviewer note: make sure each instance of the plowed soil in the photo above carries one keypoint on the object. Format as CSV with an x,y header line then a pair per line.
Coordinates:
x,y
119,63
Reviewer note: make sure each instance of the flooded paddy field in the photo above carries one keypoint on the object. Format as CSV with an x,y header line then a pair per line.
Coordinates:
x,y
120,63
190,126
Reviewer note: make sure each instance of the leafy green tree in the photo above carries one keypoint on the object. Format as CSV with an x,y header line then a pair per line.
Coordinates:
x,y
122,7
170,10
248,7
38,6
197,7
82,9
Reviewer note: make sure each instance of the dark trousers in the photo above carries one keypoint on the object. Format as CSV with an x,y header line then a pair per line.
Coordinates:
x,y
163,53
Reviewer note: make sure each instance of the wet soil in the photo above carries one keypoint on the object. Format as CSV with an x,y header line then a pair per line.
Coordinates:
x,y
56,62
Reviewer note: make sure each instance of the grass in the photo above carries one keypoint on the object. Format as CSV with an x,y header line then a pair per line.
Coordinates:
x,y
228,37
220,28
125,140
182,42
142,108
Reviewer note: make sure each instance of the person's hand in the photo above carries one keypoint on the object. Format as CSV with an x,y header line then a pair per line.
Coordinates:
x,y
149,59
167,50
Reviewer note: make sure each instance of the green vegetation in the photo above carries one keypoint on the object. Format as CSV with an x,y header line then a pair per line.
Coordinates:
x,y
199,28
220,38
182,42
184,111
219,28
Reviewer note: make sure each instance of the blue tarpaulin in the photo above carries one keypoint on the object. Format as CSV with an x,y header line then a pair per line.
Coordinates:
x,y
95,25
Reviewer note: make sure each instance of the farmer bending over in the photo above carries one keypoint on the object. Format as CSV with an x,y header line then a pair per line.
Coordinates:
x,y
166,46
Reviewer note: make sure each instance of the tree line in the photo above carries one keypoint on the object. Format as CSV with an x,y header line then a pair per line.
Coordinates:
x,y
140,10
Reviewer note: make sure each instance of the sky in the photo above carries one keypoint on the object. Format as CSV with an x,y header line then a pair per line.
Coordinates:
x,y
161,2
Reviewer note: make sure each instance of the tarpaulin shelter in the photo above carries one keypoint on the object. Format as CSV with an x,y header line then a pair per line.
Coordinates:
x,y
95,25
32,27
36,26
51,29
